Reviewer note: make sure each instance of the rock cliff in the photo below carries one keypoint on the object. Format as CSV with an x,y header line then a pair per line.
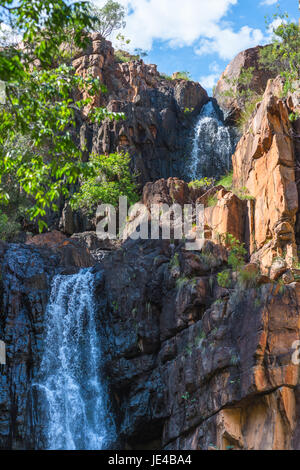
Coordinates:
x,y
191,364
157,130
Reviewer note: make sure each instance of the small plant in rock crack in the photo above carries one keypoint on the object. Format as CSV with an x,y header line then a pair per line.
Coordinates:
x,y
115,306
181,282
189,349
282,286
210,260
185,396
215,331
257,302
174,262
200,338
248,278
134,312
224,279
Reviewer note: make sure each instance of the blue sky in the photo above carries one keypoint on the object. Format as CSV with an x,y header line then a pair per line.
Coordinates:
x,y
198,36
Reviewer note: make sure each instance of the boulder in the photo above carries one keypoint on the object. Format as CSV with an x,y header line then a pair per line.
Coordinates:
x,y
72,253
190,95
49,239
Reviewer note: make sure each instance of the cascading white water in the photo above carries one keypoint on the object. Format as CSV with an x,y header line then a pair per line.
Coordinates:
x,y
212,145
74,394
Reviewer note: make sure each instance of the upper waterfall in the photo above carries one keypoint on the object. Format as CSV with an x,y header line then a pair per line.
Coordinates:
x,y
212,146
73,393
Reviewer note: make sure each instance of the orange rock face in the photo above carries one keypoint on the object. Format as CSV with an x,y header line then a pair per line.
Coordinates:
x,y
244,60
255,405
264,163
227,216
71,252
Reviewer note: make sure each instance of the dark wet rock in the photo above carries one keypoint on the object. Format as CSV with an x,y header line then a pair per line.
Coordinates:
x,y
187,361
157,130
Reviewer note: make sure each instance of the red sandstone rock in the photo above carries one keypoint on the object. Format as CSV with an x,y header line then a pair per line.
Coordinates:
x,y
49,239
72,252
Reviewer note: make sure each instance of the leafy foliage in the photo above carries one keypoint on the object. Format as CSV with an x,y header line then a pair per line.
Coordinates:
x,y
109,178
141,53
240,86
41,102
241,90
236,260
237,251
125,57
283,55
183,76
35,23
8,227
108,19
224,279
202,183
167,77
188,111
212,201
248,110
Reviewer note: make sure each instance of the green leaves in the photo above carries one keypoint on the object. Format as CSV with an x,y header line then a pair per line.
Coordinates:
x,y
41,105
108,178
283,55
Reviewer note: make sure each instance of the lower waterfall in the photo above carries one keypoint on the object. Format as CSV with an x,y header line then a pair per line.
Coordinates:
x,y
212,146
74,395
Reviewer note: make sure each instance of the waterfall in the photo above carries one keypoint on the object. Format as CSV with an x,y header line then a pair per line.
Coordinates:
x,y
73,392
212,145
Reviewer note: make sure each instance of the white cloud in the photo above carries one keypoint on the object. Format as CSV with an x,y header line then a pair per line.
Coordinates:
x,y
227,43
269,2
186,23
210,80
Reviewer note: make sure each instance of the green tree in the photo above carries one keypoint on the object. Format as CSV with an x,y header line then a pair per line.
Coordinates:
x,y
109,178
183,76
108,19
42,102
283,54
